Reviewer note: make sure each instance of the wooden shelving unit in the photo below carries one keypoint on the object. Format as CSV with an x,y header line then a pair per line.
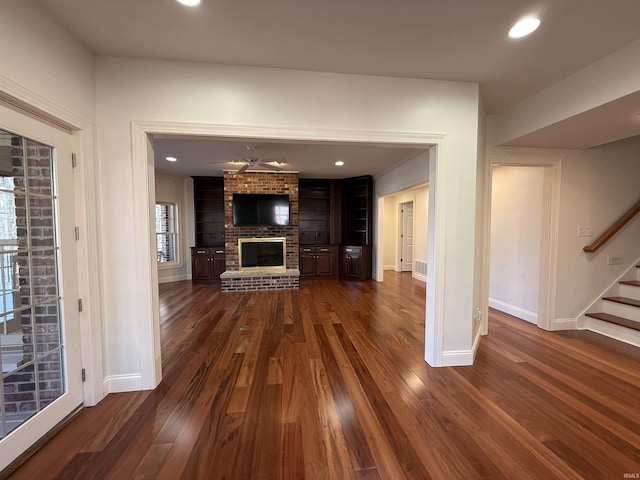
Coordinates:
x,y
358,210
314,207
208,255
209,211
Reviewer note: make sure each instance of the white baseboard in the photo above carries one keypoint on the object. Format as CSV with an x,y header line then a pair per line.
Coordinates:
x,y
526,315
564,324
388,267
173,278
458,358
462,358
419,276
123,383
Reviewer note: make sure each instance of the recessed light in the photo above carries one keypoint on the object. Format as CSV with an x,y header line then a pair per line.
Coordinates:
x,y
171,159
190,3
339,163
524,27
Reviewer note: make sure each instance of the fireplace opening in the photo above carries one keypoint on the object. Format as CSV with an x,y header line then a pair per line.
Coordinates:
x,y
262,253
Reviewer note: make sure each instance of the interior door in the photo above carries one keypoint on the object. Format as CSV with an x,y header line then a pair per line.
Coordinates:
x,y
42,378
407,237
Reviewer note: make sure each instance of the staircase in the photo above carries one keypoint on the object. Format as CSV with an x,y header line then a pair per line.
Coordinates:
x,y
619,315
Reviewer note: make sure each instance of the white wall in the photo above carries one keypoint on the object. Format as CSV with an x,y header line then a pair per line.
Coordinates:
x,y
420,198
388,240
46,71
178,190
516,228
321,106
42,60
598,185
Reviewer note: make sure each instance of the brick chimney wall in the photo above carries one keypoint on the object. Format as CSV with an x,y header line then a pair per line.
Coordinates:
x,y
261,182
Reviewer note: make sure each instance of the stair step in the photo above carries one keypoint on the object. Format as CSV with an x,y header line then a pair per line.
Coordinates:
x,y
633,283
623,300
623,322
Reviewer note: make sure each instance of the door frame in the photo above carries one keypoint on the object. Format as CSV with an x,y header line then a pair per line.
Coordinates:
x,y
60,139
148,325
87,219
550,233
400,234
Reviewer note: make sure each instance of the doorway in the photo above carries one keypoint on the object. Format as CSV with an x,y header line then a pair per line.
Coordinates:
x,y
524,204
406,237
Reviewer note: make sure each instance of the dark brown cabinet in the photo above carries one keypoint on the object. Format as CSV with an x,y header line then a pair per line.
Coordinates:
x,y
357,210
331,213
355,262
318,261
315,213
208,196
207,263
207,257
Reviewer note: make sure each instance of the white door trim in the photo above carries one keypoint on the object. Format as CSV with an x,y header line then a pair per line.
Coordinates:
x,y
550,231
401,243
146,267
87,216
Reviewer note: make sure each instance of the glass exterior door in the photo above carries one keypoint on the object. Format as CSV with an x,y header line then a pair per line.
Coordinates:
x,y
39,334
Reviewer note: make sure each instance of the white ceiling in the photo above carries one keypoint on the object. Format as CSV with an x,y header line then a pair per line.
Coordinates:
x,y
311,160
463,40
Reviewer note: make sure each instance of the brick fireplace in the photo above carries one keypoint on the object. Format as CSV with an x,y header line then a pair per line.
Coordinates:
x,y
265,183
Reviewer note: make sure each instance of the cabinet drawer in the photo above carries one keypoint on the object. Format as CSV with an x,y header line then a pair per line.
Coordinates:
x,y
353,250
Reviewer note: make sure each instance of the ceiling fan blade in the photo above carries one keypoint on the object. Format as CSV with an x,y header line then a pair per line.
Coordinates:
x,y
275,159
270,167
243,168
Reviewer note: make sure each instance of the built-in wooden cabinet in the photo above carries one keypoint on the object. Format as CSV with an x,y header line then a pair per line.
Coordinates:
x,y
319,261
336,213
207,263
357,196
208,196
208,256
314,212
355,262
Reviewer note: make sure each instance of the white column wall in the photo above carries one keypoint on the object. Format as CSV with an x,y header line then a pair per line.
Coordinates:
x,y
328,104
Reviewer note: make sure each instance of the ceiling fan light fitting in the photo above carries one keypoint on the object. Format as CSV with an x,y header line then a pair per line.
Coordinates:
x,y
524,27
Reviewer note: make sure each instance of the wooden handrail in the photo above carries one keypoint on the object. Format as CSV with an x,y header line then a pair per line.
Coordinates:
x,y
613,229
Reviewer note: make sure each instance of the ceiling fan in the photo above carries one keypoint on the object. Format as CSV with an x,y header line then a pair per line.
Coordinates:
x,y
251,159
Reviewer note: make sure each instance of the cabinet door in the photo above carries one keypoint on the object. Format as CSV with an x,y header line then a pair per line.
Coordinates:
x,y
201,267
324,264
307,264
219,265
355,266
345,258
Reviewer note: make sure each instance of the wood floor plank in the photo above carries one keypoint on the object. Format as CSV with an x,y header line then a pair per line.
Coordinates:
x,y
329,382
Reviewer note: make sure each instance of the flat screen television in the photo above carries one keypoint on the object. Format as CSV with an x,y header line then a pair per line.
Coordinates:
x,y
260,209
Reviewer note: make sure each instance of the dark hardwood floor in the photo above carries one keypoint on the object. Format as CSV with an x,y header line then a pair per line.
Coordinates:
x,y
330,383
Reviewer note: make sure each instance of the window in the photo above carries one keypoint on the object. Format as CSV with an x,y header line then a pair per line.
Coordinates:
x,y
166,232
